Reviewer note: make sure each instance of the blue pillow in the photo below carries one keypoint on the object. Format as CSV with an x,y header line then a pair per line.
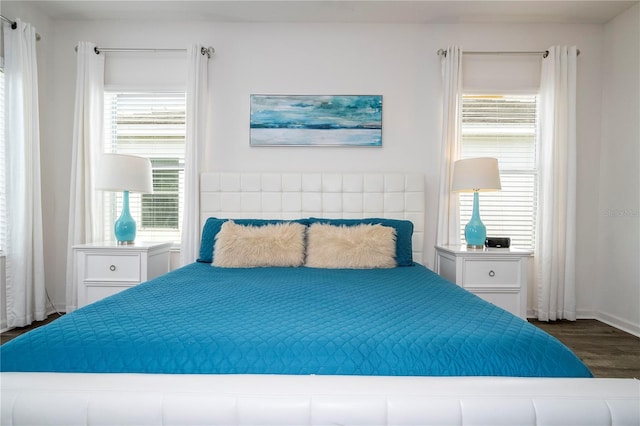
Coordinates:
x,y
404,232
212,227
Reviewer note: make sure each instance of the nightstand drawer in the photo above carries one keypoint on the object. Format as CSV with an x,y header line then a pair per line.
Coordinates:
x,y
101,290
121,267
487,273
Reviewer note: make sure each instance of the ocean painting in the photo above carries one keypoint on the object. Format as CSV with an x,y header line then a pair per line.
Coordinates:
x,y
306,120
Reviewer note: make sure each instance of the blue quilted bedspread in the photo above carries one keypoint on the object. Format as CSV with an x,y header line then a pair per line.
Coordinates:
x,y
201,319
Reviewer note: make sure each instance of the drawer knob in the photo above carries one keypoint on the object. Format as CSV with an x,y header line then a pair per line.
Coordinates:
x,y
492,273
113,268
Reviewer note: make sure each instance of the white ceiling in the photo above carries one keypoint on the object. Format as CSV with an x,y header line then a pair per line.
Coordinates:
x,y
353,11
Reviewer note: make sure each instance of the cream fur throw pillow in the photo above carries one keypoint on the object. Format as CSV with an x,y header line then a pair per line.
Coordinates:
x,y
354,247
240,246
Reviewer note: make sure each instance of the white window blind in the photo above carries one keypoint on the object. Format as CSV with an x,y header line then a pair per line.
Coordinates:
x,y
503,127
150,125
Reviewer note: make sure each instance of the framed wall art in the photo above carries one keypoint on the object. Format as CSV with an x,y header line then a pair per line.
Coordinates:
x,y
316,120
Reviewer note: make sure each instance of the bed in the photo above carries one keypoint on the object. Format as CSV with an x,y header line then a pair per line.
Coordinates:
x,y
304,340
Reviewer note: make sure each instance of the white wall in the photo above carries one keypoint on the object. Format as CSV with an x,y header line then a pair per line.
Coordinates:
x,y
396,61
618,242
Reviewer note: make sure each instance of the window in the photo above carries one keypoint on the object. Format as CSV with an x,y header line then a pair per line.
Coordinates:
x,y
150,125
503,127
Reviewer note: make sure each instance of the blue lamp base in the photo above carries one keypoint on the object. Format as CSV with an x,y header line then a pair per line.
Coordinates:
x,y
475,232
125,227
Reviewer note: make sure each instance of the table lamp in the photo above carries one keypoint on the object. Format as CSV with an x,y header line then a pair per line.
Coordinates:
x,y
128,173
475,175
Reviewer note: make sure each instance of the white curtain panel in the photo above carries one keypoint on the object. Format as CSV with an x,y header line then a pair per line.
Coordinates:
x,y
84,225
448,210
25,286
556,215
197,102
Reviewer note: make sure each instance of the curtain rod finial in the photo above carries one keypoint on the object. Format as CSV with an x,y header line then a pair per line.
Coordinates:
x,y
209,51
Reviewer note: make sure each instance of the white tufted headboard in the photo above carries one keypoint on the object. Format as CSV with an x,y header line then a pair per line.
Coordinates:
x,y
328,195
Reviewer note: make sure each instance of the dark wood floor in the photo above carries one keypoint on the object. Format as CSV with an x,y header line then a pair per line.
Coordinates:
x,y
607,351
15,332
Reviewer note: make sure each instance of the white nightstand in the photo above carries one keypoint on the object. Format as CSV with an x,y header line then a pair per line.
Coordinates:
x,y
497,275
104,269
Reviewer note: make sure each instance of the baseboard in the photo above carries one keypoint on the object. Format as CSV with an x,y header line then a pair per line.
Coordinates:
x,y
619,323
611,320
59,309
584,314
580,314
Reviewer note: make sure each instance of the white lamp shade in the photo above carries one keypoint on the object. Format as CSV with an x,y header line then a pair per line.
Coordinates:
x,y
119,172
476,174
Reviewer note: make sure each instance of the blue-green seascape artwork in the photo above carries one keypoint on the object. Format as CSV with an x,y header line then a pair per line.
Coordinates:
x,y
306,120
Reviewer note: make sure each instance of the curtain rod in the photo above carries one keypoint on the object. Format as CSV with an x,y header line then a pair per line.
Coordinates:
x,y
14,25
209,51
442,52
